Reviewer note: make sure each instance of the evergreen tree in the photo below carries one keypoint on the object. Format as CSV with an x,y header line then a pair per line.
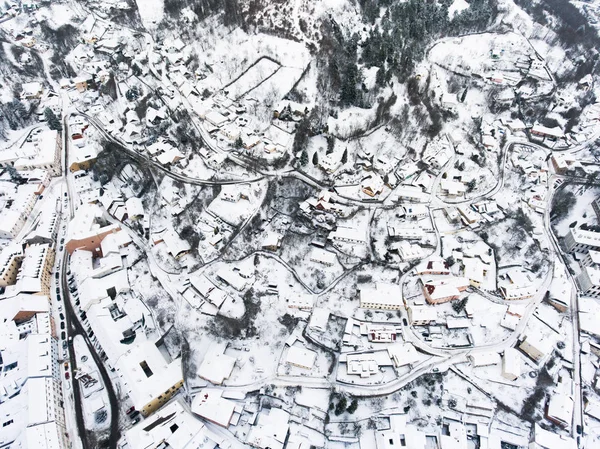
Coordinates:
x,y
345,156
352,407
316,159
341,406
304,158
52,120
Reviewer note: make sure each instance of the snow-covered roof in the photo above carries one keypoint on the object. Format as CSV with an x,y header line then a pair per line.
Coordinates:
x,y
146,373
209,404
172,425
301,357
271,429
216,366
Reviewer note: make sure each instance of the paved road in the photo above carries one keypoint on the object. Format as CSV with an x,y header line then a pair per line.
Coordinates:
x,y
76,328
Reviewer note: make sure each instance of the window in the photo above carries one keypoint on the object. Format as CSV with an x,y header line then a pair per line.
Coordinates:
x,y
147,371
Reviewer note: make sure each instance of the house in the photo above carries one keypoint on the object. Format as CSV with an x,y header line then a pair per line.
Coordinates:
x,y
270,430
323,257
348,235
563,162
232,278
372,185
546,439
511,364
364,365
272,241
135,208
176,246
415,211
537,346
409,251
484,358
380,333
216,366
399,435
452,189
559,409
301,357
81,83
519,286
31,91
212,406
432,267
381,296
438,291
547,133
422,315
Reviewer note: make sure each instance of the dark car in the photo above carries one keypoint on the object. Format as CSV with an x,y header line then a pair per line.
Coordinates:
x,y
62,324
62,316
57,275
66,194
63,335
134,414
58,297
77,302
62,241
404,321
57,290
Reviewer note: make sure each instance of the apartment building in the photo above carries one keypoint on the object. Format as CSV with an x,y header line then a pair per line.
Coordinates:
x,y
36,270
581,241
15,209
10,261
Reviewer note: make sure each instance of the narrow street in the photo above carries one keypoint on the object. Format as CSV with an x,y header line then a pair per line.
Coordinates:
x,y
76,328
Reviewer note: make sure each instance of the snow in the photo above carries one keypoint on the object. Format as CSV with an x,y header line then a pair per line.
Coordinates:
x,y
456,7
151,12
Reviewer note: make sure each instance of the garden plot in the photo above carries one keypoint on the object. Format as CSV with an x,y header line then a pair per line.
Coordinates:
x,y
273,88
253,77
238,202
484,54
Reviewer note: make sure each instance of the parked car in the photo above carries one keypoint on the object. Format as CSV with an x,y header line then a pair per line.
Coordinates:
x,y
131,409
136,420
62,324
67,376
66,366
61,316
57,290
63,335
57,275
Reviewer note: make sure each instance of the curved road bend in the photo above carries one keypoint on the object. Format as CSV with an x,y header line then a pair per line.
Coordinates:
x,y
75,328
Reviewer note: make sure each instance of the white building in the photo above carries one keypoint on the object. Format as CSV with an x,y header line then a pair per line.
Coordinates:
x,y
422,315
210,405
589,281
381,296
301,357
270,430
171,427
579,240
